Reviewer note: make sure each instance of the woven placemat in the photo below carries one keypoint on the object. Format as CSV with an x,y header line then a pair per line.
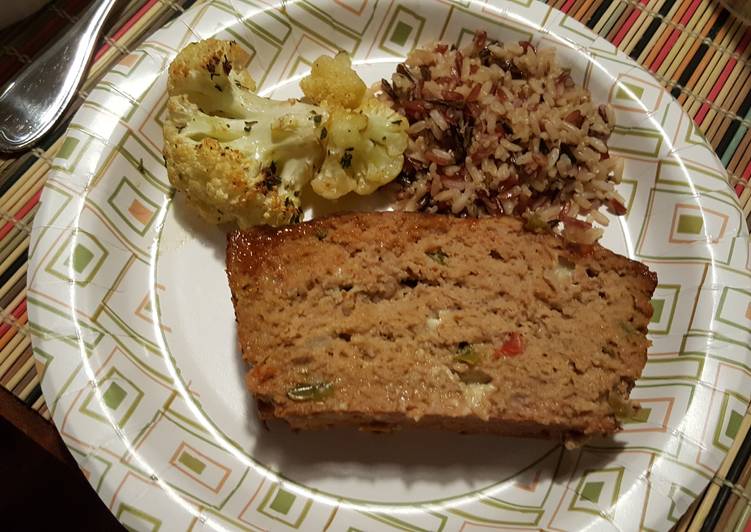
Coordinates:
x,y
696,49
22,178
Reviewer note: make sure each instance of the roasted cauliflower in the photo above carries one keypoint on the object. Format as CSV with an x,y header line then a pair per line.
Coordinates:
x,y
242,158
237,156
364,150
333,81
365,138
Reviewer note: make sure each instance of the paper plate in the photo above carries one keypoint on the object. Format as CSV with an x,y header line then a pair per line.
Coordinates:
x,y
134,328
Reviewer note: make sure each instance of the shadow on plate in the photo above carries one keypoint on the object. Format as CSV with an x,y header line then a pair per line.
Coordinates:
x,y
313,206
411,456
211,236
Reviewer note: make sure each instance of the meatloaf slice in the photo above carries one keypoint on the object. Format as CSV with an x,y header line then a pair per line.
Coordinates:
x,y
384,320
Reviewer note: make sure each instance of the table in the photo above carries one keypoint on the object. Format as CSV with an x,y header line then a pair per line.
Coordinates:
x,y
697,50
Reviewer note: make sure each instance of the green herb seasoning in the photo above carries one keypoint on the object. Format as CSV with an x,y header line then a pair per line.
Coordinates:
x,y
437,255
467,354
271,179
311,392
249,125
324,133
346,160
535,224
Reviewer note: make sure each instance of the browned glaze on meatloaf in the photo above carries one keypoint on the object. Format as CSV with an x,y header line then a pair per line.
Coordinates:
x,y
383,320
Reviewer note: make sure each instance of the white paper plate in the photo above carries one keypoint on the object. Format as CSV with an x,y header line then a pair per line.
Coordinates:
x,y
133,323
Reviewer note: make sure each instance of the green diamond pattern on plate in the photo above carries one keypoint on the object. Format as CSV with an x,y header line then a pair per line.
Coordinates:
x,y
591,491
597,489
734,423
401,33
160,394
283,506
635,140
137,520
191,462
120,399
689,224
69,144
664,305
282,502
729,416
81,254
731,301
404,29
81,258
657,306
114,395
640,416
622,94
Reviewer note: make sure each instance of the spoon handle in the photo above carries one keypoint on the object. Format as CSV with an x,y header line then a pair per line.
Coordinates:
x,y
31,103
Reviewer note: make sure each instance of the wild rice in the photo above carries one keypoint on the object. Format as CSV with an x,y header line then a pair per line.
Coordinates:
x,y
501,128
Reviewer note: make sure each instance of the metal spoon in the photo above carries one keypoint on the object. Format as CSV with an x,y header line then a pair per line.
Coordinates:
x,y
31,103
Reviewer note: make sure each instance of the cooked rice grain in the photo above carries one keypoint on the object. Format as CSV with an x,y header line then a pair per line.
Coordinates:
x,y
501,128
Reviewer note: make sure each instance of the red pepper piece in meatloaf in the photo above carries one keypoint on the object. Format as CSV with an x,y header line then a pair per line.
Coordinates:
x,y
383,320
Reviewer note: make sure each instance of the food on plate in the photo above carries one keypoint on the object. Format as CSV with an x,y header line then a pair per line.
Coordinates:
x,y
385,320
333,80
487,129
242,158
475,324
364,150
502,128
365,138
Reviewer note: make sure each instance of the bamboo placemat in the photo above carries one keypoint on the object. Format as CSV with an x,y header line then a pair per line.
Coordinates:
x,y
22,178
696,49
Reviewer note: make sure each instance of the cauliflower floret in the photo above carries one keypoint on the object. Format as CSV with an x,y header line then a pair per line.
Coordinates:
x,y
333,81
212,74
236,156
365,149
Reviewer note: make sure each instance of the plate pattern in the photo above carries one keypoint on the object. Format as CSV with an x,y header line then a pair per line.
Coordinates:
x,y
138,429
